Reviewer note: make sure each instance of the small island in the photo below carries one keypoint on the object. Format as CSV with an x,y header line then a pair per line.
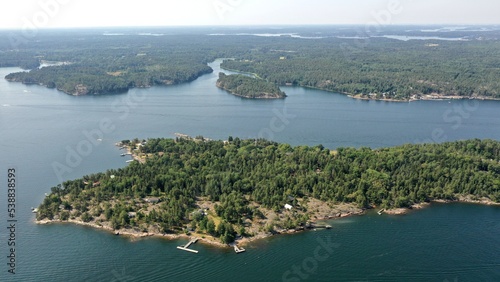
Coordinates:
x,y
247,87
243,190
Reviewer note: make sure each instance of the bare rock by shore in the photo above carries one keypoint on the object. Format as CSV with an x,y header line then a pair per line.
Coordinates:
x,y
401,211
429,97
321,211
459,199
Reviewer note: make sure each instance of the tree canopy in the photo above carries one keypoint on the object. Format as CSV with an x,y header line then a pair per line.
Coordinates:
x,y
241,175
248,87
338,61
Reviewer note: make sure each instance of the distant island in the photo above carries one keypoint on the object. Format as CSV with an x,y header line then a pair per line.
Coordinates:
x,y
247,87
82,79
242,190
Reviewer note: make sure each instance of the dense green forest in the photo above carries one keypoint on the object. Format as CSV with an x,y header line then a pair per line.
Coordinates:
x,y
391,69
109,65
342,59
248,87
82,79
102,64
243,176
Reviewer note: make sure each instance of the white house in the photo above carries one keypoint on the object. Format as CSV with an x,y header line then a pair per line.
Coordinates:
x,y
288,207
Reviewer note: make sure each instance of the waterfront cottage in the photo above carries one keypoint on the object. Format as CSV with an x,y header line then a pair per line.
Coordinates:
x,y
152,200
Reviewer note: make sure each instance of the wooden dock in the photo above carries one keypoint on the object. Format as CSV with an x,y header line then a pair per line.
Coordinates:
x,y
321,226
186,247
238,250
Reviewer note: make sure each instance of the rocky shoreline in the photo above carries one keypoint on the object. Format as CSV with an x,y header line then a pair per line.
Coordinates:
x,y
261,95
460,199
213,241
315,210
203,238
132,233
250,88
433,97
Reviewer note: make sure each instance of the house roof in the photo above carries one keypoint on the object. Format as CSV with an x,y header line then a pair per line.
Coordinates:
x,y
152,200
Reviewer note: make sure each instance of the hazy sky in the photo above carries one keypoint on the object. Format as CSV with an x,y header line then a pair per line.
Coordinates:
x,y
85,13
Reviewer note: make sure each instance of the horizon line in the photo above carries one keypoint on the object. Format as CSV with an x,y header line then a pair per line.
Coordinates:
x,y
252,25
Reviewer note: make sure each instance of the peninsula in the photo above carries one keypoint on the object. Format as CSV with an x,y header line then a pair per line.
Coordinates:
x,y
242,190
247,87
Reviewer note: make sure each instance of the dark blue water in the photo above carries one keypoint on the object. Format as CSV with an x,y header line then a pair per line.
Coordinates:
x,y
49,136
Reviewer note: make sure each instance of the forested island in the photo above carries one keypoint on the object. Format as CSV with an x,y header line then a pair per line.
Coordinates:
x,y
340,60
248,189
247,87
94,80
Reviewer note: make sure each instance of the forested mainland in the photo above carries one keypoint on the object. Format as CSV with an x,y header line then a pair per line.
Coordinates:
x,y
340,60
226,188
247,87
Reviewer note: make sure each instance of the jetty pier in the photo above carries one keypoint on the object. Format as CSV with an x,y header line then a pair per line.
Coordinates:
x,y
186,247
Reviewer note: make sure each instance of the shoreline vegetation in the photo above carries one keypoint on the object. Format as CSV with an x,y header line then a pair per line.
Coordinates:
x,y
247,87
338,212
102,83
134,234
459,199
310,185
414,98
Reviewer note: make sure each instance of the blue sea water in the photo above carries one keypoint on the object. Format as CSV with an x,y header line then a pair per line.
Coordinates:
x,y
42,129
